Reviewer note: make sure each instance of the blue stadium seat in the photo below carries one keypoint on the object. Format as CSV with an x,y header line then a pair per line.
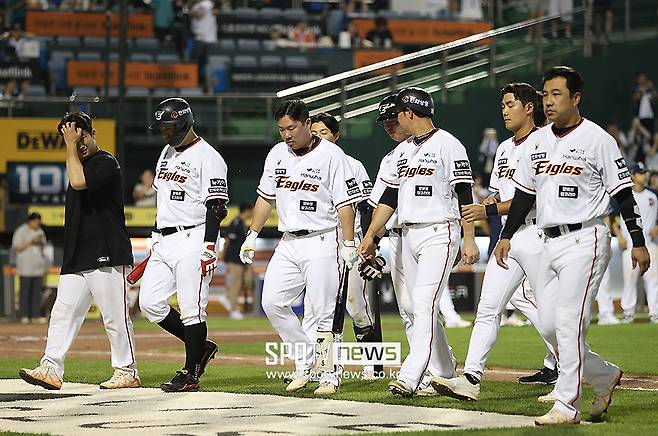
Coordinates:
x,y
271,61
248,44
167,58
190,92
36,91
137,92
141,57
85,91
227,44
245,13
94,41
165,92
89,56
271,13
215,60
245,61
147,43
69,40
297,61
296,14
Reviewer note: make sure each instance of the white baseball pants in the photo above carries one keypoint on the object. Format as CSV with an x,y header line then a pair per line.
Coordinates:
x,y
107,286
174,267
399,284
502,286
303,262
358,305
570,272
429,252
604,298
629,296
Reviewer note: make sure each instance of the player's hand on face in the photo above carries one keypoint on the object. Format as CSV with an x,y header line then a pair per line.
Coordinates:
x,y
621,242
640,257
349,253
367,248
502,251
474,212
208,259
248,248
470,252
71,134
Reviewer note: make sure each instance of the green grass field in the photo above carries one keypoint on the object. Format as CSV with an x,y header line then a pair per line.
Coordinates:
x,y
632,347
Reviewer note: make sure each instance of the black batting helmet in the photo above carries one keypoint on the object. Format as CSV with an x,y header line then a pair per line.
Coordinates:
x,y
387,109
80,119
173,112
416,99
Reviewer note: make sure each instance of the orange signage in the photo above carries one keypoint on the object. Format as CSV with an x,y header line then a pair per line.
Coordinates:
x,y
138,74
425,32
365,57
85,24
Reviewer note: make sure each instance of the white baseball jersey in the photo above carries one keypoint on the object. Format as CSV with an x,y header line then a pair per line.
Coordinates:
x,y
573,175
507,158
365,184
425,173
308,189
379,187
185,181
647,202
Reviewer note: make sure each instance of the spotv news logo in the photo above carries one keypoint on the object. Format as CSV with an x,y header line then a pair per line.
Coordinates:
x,y
344,353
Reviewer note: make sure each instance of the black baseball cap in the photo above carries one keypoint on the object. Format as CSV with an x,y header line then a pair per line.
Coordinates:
x,y
387,109
638,168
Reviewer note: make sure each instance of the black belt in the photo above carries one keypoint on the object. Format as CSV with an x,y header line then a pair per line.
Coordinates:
x,y
396,230
166,231
301,232
554,232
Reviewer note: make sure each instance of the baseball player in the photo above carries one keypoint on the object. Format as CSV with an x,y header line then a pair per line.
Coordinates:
x,y
97,256
191,202
315,190
428,180
522,111
358,306
648,205
571,168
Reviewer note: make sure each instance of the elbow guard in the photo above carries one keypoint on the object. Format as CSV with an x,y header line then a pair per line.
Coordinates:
x,y
631,215
390,198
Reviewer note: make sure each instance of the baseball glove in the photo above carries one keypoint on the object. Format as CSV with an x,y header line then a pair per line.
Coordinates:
x,y
372,267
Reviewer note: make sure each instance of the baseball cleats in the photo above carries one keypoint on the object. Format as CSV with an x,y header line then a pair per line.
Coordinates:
x,y
427,391
396,387
458,324
627,319
653,319
609,320
299,381
555,417
121,379
208,354
183,381
603,399
548,398
326,389
458,387
544,376
43,376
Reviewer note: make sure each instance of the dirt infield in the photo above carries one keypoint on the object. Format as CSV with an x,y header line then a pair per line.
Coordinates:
x,y
155,345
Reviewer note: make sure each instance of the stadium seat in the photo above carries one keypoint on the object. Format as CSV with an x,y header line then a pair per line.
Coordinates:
x,y
147,43
73,41
89,56
248,44
167,58
141,57
190,92
245,61
85,91
296,14
297,61
215,60
137,92
36,91
114,56
227,44
165,92
271,61
94,41
245,13
271,13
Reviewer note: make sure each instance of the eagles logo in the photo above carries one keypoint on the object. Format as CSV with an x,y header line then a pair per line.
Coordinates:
x,y
159,114
545,167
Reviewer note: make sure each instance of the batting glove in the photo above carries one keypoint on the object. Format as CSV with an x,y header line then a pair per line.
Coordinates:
x,y
349,253
372,268
248,247
208,259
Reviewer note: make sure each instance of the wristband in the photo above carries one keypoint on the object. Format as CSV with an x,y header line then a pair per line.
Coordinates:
x,y
491,209
376,239
638,239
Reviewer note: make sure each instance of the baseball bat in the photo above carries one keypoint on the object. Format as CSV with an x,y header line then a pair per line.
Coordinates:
x,y
341,304
377,328
138,271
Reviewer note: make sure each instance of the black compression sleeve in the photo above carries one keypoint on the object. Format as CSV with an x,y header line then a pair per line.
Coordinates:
x,y
365,209
390,197
212,227
464,194
521,204
630,215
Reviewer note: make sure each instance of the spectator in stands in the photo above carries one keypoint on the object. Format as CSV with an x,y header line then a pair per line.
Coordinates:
x,y
536,9
620,137
380,36
31,265
355,6
644,98
488,148
75,5
36,5
302,35
15,12
204,29
277,40
565,9
240,276
602,20
438,9
350,38
143,193
21,46
651,152
653,180
163,19
471,10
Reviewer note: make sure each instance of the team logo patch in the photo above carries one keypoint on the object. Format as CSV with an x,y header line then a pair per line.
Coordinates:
x,y
352,183
502,161
462,164
423,191
218,182
405,99
174,115
623,175
568,191
537,156
158,115
621,163
308,205
280,171
177,195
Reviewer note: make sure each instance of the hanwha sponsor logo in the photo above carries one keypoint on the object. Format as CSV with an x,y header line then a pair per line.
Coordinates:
x,y
158,115
174,115
405,99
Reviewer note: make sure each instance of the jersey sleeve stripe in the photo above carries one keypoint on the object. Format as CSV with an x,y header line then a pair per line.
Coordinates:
x,y
372,203
461,179
390,185
492,189
348,201
220,196
523,188
619,187
264,195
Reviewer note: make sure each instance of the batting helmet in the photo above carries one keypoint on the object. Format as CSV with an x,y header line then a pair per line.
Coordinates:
x,y
416,99
80,119
176,113
387,109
